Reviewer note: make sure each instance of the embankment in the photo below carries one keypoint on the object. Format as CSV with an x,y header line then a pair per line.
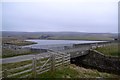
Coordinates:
x,y
98,61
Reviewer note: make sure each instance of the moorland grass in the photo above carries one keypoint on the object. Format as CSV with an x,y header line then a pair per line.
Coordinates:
x,y
110,50
71,71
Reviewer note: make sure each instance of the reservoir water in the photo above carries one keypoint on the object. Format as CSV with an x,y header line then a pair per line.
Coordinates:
x,y
56,44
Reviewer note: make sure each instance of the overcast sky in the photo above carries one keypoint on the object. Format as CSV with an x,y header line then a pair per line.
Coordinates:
x,y
61,15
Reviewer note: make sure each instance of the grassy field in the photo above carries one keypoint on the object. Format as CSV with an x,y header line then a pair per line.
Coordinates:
x,y
111,50
15,41
15,65
60,35
72,71
79,38
11,53
22,43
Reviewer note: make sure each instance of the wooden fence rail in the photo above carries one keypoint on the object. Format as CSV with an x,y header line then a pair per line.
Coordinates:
x,y
39,66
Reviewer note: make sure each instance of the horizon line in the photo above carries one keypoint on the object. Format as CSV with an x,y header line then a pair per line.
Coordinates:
x,y
60,31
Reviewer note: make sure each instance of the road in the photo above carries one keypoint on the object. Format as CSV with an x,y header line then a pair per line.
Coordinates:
x,y
41,55
24,58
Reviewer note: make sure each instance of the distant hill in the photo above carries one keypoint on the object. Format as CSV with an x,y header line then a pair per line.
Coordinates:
x,y
60,35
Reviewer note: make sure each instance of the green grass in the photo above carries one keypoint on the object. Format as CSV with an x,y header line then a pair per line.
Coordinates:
x,y
76,72
71,71
21,43
19,64
9,66
78,38
24,43
60,73
11,53
15,65
110,50
91,73
15,41
18,42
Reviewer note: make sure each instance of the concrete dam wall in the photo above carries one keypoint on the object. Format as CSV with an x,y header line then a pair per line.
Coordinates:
x,y
98,61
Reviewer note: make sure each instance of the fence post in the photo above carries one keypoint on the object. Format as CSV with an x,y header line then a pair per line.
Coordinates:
x,y
53,62
69,58
63,60
34,67
5,73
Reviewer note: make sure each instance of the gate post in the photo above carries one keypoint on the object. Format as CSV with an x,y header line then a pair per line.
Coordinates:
x,y
34,67
53,62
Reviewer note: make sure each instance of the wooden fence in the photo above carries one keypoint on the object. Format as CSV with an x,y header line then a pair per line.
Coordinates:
x,y
39,66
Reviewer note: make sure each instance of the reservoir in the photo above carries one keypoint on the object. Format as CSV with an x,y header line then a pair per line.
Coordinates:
x,y
57,44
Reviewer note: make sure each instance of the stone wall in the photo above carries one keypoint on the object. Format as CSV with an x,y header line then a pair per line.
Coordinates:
x,y
99,61
78,53
92,45
38,50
